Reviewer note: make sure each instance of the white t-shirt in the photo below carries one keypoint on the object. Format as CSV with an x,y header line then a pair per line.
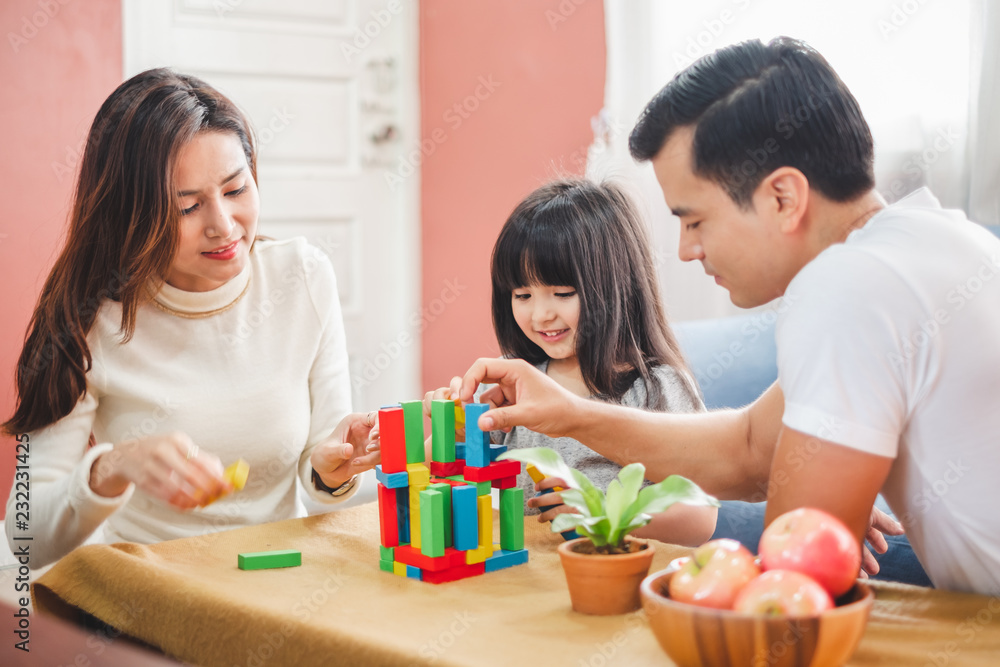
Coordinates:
x,y
266,380
890,344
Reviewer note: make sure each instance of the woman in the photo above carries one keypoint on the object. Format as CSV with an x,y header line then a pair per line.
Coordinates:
x,y
168,339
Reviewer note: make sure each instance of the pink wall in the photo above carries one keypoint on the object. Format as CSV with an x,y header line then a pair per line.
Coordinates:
x,y
59,60
538,69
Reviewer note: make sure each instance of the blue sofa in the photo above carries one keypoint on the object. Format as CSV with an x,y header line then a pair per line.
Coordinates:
x,y
734,359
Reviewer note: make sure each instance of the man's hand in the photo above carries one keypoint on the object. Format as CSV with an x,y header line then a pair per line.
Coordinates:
x,y
523,396
350,450
880,524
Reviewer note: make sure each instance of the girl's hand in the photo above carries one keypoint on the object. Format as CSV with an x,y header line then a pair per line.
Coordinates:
x,y
168,467
552,500
350,450
445,394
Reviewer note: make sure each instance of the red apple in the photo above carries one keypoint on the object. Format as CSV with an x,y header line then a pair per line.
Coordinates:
x,y
715,573
815,543
783,593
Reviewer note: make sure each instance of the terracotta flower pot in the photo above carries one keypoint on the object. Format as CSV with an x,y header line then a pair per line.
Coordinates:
x,y
605,585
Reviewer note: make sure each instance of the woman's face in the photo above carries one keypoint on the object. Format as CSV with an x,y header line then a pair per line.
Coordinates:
x,y
219,209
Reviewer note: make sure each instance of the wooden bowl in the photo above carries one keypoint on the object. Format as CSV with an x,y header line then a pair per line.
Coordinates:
x,y
700,637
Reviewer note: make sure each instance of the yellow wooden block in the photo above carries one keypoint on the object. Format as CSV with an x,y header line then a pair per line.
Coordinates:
x,y
536,474
473,556
459,414
399,569
236,474
415,514
419,474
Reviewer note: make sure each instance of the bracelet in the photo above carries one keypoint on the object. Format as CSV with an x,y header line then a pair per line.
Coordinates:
x,y
333,491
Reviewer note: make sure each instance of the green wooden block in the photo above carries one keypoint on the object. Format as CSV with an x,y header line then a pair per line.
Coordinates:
x,y
386,553
445,490
443,431
431,523
386,566
483,488
512,519
413,426
457,478
266,560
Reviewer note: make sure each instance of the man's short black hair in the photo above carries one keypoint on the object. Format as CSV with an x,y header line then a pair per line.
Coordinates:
x,y
756,108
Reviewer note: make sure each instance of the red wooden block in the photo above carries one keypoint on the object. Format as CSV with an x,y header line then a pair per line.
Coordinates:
x,y
505,483
387,516
447,469
496,470
454,573
410,556
392,436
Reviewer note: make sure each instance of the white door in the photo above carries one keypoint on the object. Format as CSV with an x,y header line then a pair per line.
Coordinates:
x,y
332,89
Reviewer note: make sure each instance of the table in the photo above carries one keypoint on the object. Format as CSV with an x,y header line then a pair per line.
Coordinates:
x,y
189,598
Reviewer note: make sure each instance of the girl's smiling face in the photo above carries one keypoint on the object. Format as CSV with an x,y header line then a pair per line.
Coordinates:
x,y
219,209
549,316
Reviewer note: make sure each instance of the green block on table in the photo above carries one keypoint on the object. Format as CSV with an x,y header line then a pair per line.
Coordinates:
x,y
432,523
456,478
386,566
512,519
413,426
483,488
443,431
445,490
386,553
267,560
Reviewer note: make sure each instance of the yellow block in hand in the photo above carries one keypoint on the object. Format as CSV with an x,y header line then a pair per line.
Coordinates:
x,y
237,473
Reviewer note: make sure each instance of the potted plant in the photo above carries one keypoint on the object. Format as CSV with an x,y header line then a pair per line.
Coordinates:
x,y
605,567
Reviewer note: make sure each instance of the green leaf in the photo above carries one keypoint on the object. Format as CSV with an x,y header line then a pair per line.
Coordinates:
x,y
574,498
546,459
674,489
594,498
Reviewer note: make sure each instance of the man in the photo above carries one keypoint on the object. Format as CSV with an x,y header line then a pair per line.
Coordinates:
x,y
889,344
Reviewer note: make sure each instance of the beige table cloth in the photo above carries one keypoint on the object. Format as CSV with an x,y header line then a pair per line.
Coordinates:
x,y
188,598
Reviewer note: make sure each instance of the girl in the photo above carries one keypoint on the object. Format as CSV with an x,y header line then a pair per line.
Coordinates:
x,y
147,363
575,293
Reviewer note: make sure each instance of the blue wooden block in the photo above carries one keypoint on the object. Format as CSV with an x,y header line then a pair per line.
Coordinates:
x,y
459,450
476,442
392,480
566,534
504,559
413,572
497,450
466,517
403,517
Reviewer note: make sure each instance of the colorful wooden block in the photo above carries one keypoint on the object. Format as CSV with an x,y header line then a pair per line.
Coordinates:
x,y
443,431
493,471
459,414
497,450
566,534
445,489
237,473
412,556
459,451
484,506
465,510
431,523
399,569
454,573
386,566
388,516
450,469
504,559
505,483
403,515
415,535
413,572
392,438
418,473
476,442
392,480
512,519
267,560
386,553
413,419
482,488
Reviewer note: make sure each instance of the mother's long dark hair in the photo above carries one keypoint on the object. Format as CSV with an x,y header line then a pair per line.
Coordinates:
x,y
589,236
122,230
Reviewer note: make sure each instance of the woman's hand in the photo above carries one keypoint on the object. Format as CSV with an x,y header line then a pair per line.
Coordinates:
x,y
168,467
551,500
350,450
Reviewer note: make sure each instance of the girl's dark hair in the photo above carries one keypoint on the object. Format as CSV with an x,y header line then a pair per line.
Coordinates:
x,y
123,230
590,237
758,107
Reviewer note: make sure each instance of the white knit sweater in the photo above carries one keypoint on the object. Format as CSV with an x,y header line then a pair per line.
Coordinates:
x,y
265,379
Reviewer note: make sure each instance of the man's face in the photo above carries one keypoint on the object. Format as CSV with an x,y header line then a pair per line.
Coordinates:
x,y
740,249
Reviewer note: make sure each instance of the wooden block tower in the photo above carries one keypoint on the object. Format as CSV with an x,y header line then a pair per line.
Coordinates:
x,y
436,521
